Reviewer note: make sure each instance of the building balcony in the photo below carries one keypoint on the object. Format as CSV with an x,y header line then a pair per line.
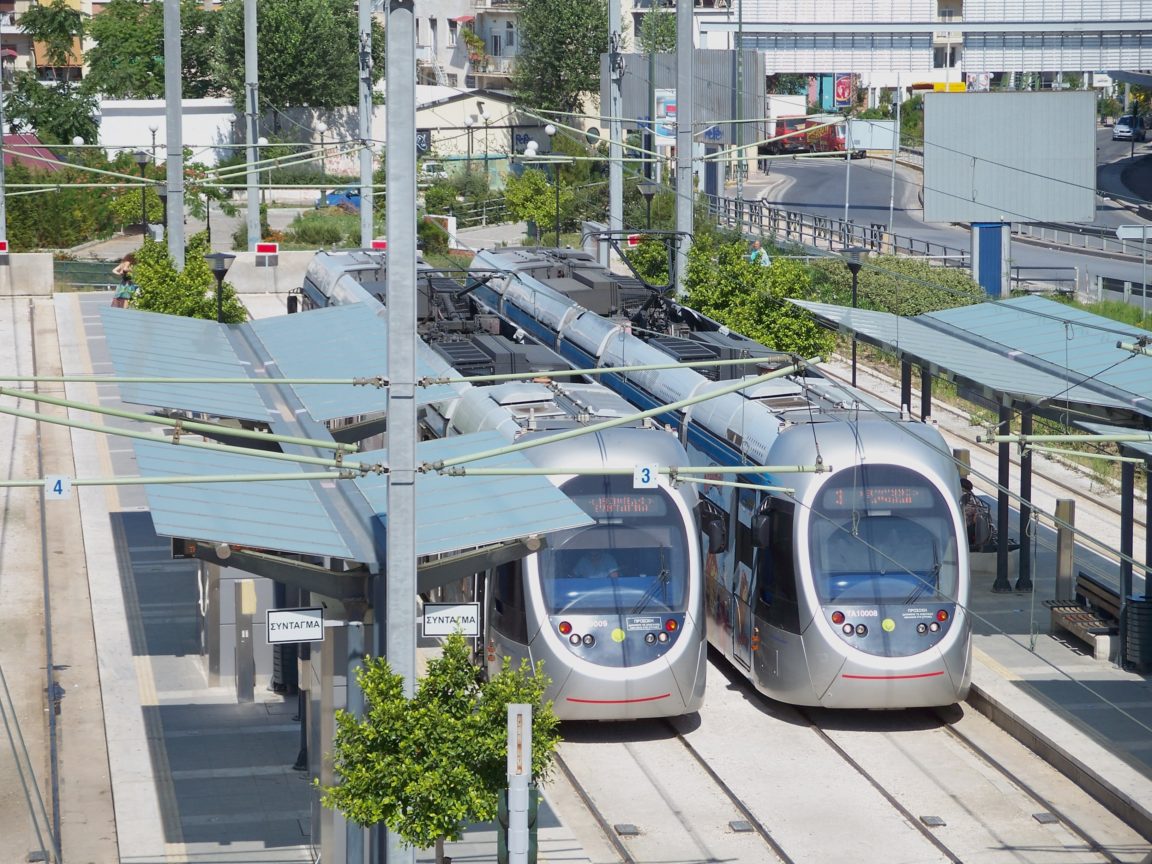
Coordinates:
x,y
498,67
495,5
424,54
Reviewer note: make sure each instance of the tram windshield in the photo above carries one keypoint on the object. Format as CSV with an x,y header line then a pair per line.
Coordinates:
x,y
634,560
883,534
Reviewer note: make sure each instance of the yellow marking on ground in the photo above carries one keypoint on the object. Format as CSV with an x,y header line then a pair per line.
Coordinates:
x,y
995,665
146,682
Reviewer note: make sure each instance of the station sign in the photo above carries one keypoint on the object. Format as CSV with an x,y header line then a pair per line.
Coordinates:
x,y
295,625
380,244
3,247
267,248
444,619
267,254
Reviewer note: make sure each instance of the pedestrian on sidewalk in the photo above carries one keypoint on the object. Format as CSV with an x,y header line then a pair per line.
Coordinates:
x,y
757,255
127,289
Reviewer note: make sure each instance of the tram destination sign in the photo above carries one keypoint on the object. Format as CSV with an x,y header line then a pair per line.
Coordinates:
x,y
295,625
444,619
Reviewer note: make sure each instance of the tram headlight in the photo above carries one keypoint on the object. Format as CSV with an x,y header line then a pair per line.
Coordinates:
x,y
650,638
565,628
663,637
589,639
837,617
574,639
671,626
861,630
848,629
934,626
921,628
941,615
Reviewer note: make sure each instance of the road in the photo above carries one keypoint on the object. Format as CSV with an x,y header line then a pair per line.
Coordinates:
x,y
819,186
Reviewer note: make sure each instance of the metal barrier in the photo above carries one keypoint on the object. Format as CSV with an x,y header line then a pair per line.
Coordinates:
x,y
1045,280
1087,237
85,275
822,232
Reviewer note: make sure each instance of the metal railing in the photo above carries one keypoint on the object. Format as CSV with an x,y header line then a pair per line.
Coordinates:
x,y
1045,280
822,232
1081,237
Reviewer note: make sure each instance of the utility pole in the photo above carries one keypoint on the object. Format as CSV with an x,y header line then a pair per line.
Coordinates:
x,y
251,106
367,229
3,207
684,142
615,109
394,591
174,132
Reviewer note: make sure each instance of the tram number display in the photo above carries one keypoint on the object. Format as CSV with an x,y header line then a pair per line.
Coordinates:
x,y
877,497
621,504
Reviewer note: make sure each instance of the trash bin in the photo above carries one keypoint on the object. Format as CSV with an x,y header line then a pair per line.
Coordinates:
x,y
1138,633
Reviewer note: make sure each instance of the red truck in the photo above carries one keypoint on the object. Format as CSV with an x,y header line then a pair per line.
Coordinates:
x,y
811,133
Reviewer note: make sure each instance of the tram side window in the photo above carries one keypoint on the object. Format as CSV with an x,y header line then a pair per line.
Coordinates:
x,y
509,609
776,599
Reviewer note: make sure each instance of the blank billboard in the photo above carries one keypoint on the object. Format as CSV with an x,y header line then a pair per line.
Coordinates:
x,y
1010,157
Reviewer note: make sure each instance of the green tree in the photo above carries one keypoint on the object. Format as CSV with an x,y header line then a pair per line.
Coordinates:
x,y
59,218
57,112
307,52
530,196
55,27
658,32
560,46
429,765
126,206
787,85
190,292
751,299
127,61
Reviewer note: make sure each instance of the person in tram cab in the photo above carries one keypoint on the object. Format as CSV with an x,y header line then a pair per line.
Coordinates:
x,y
596,564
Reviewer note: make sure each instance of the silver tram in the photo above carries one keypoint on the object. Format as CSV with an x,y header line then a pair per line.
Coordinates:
x,y
849,592
613,609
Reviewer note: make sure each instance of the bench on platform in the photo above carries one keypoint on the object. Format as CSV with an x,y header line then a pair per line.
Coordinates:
x,y
1093,618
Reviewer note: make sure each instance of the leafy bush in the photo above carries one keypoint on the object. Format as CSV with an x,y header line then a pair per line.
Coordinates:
x,y
432,237
320,228
126,207
59,218
902,286
190,292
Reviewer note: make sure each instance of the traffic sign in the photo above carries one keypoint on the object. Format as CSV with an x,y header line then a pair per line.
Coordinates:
x,y
1133,232
295,625
633,241
267,248
3,247
380,244
444,619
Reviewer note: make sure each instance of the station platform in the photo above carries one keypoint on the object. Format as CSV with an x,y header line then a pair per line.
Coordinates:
x,y
193,775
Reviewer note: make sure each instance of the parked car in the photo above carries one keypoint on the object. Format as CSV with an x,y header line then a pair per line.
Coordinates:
x,y
430,172
348,198
1130,127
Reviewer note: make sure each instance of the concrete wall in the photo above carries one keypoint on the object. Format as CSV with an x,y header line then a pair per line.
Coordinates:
x,y
246,278
125,124
26,274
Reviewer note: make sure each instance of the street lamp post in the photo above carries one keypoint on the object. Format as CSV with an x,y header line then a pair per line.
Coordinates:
x,y
550,131
469,122
219,262
854,260
322,128
153,128
261,143
485,119
141,159
648,189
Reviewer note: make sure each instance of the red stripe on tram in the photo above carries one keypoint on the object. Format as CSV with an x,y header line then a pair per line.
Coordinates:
x,y
893,677
617,701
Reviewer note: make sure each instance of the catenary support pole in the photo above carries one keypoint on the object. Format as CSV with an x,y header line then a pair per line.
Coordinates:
x,y
1004,465
615,110
354,833
174,132
685,117
367,229
251,107
397,642
3,191
1127,517
1024,579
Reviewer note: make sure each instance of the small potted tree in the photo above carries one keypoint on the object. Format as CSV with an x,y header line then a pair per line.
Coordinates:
x,y
477,50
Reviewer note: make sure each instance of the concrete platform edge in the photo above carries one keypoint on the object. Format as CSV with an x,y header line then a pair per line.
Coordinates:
x,y
1128,794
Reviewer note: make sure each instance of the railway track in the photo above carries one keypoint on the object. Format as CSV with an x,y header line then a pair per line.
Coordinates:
x,y
751,780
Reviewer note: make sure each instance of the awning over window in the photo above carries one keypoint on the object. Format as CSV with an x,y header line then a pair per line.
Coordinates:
x,y
7,52
464,19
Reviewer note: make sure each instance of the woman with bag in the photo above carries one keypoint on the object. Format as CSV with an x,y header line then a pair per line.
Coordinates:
x,y
127,288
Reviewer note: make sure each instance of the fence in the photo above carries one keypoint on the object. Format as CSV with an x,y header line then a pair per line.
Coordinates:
x,y
85,275
821,232
1087,237
1045,280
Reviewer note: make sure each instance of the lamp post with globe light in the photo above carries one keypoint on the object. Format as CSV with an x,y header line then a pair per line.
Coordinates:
x,y
854,260
153,128
322,128
469,123
219,262
261,143
648,188
550,131
141,159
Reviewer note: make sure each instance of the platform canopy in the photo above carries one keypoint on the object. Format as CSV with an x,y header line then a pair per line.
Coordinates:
x,y
1061,361
339,342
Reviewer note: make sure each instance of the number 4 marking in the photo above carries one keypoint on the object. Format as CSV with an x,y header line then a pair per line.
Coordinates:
x,y
645,476
57,487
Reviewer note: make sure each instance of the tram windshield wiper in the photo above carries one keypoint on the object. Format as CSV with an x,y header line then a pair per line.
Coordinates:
x,y
660,582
